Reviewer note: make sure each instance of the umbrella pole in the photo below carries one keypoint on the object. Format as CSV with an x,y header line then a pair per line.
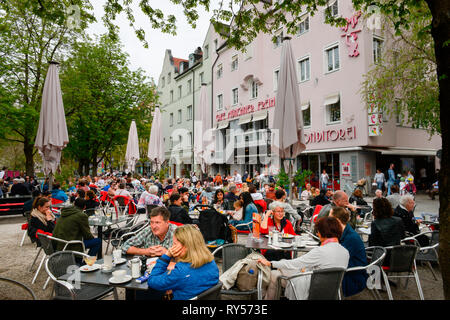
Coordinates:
x,y
50,181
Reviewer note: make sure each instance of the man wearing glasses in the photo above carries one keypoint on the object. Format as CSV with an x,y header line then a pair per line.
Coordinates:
x,y
153,241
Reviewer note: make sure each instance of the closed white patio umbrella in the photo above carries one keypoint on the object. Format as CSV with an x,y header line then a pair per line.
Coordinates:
x,y
202,132
132,154
51,136
288,120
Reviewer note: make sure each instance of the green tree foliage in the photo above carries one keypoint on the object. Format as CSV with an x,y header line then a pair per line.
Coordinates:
x,y
408,61
102,96
30,37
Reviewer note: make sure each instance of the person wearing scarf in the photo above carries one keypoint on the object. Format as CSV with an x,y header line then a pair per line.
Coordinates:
x,y
42,219
277,220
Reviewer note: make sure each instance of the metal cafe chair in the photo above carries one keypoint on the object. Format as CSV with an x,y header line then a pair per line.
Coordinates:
x,y
212,293
9,284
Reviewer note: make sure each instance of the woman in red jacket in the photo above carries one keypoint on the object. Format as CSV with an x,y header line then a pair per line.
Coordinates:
x,y
276,219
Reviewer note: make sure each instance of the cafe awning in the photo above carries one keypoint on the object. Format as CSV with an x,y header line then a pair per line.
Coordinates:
x,y
222,125
404,151
305,106
260,116
245,119
331,99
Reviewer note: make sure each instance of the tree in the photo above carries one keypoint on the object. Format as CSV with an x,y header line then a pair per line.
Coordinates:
x,y
409,62
30,37
102,96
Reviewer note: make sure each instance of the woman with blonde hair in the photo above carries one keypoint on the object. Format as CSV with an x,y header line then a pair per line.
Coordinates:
x,y
194,271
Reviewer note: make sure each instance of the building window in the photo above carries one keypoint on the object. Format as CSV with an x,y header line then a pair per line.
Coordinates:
x,y
206,53
332,58
234,62
189,113
220,102
248,51
179,116
219,71
169,76
171,143
254,90
179,92
304,68
333,9
333,112
163,82
180,141
171,119
189,139
215,44
306,117
278,38
171,95
303,26
235,96
377,50
201,78
189,86
276,73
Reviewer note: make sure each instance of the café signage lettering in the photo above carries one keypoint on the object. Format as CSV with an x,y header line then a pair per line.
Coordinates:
x,y
262,105
331,135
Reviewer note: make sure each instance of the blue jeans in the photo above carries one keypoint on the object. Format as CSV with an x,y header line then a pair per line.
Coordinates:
x,y
324,186
389,185
380,185
93,245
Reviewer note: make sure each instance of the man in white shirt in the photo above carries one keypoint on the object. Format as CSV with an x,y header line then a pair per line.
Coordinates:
x,y
237,177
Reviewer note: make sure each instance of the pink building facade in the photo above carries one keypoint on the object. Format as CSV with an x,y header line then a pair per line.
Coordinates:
x,y
343,136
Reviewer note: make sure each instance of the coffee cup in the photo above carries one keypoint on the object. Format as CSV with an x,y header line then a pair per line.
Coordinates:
x,y
119,275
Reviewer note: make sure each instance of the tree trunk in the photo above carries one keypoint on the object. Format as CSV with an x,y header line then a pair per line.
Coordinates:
x,y
440,31
29,158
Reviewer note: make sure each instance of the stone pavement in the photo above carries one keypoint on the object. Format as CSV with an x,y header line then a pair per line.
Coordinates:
x,y
15,263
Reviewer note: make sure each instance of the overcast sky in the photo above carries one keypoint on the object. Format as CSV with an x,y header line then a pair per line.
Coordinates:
x,y
151,59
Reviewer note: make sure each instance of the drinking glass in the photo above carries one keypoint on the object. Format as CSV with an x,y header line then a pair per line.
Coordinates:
x,y
90,260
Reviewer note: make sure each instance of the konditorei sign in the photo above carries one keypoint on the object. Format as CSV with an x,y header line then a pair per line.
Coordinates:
x,y
331,135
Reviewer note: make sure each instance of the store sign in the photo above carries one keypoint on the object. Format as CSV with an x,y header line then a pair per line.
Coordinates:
x,y
331,135
352,37
345,169
375,119
375,131
237,112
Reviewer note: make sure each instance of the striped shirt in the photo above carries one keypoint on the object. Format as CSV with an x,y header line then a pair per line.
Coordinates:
x,y
146,239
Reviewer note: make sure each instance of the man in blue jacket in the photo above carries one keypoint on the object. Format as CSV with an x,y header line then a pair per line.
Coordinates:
x,y
356,281
58,194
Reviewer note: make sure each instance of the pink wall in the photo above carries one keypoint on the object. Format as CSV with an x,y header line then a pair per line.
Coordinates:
x,y
347,81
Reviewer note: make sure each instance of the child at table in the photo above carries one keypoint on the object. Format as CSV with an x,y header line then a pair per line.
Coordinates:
x,y
238,208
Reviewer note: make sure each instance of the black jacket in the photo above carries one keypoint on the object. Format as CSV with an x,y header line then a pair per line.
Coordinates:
x,y
19,189
179,214
408,220
386,232
36,224
320,199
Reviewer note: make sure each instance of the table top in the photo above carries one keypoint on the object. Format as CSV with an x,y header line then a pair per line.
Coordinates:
x,y
104,221
264,245
98,277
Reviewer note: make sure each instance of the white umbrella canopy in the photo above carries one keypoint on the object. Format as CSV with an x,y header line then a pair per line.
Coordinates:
x,y
156,142
51,136
288,120
202,132
132,154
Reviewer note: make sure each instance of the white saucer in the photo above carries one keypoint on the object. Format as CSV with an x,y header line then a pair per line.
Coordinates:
x,y
288,236
311,243
283,245
126,278
87,268
120,261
